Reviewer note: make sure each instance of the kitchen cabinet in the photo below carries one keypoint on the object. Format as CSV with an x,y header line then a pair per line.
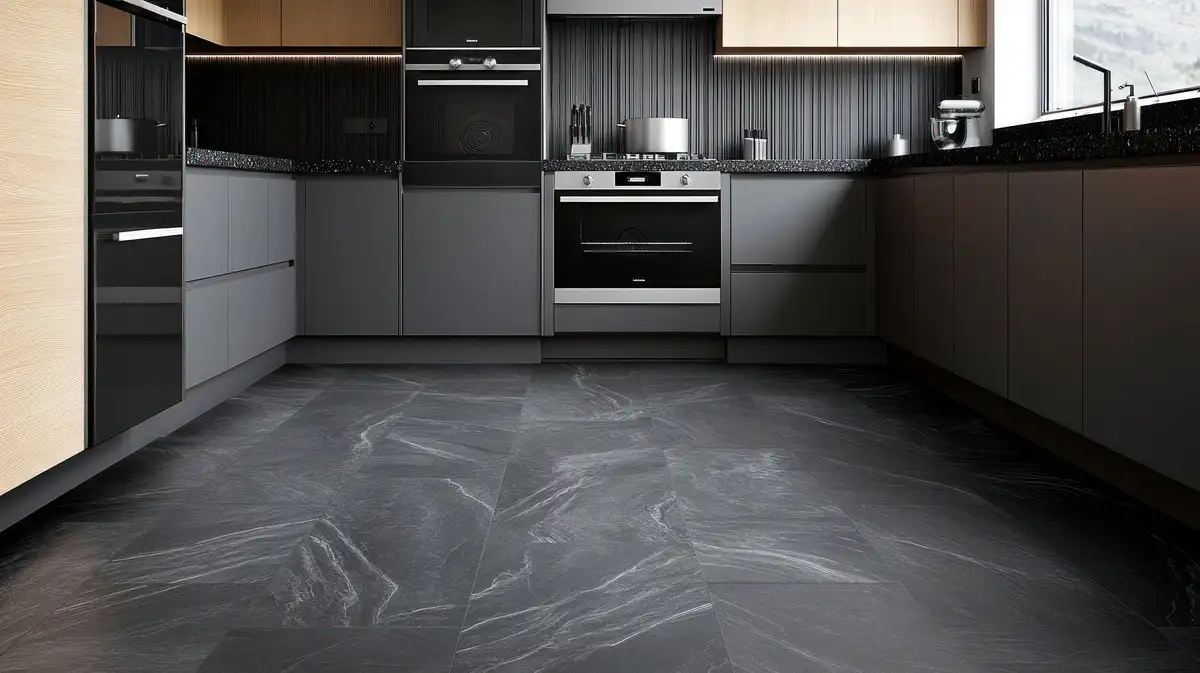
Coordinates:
x,y
343,23
281,219
352,256
262,312
933,266
898,23
1141,362
206,19
981,279
798,220
472,263
252,23
779,23
1045,285
113,27
972,23
801,304
206,224
206,332
895,249
248,221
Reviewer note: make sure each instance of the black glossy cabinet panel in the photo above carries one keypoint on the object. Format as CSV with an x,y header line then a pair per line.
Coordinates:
x,y
474,23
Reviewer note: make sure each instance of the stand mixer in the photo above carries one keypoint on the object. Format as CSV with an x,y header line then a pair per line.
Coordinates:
x,y
957,124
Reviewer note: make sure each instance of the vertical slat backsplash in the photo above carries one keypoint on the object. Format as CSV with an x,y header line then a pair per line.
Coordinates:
x,y
813,107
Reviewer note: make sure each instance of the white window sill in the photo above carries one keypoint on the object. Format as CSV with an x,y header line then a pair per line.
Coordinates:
x,y
1118,104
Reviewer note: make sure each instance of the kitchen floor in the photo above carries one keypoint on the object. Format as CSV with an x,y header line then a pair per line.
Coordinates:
x,y
598,518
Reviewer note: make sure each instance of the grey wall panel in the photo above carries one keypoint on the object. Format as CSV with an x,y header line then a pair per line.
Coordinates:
x,y
810,108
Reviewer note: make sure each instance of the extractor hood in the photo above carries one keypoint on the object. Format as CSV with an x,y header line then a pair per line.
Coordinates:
x,y
634,7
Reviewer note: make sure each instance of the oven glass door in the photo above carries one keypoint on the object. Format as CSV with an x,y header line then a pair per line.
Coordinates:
x,y
473,116
475,23
634,239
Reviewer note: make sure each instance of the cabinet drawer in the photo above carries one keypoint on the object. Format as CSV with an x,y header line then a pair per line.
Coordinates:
x,y
798,220
248,247
281,219
206,333
801,304
262,313
205,224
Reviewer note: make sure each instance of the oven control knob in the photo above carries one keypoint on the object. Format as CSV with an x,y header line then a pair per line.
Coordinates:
x,y
455,63
685,180
587,181
489,62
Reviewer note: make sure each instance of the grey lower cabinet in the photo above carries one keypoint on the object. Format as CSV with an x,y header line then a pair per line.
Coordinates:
x,y
1045,294
790,220
981,279
352,256
205,223
282,195
248,221
801,304
262,312
1141,328
472,263
894,252
206,332
933,266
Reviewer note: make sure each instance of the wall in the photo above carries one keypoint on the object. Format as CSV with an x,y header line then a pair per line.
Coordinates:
x,y
295,108
816,107
43,235
1010,66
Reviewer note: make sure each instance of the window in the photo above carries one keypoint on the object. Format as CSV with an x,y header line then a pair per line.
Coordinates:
x,y
1129,37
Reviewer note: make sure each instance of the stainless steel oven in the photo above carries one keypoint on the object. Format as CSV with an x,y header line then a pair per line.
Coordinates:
x,y
637,237
473,117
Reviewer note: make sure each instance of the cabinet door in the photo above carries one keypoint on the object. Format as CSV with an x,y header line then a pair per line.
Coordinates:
x,y
933,265
343,23
981,279
894,254
1045,285
972,23
247,221
262,313
472,263
206,20
779,23
252,23
800,304
898,23
281,219
352,256
206,333
798,220
1141,335
206,224
281,289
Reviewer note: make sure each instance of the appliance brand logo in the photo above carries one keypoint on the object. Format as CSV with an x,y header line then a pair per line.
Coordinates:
x,y
470,41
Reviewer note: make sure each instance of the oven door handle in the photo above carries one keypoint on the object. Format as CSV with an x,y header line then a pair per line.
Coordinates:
x,y
472,82
639,199
146,234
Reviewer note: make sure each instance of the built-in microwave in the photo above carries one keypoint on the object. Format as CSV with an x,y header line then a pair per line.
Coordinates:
x,y
474,23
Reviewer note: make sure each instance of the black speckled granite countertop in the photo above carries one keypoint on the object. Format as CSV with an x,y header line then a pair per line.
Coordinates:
x,y
201,158
722,165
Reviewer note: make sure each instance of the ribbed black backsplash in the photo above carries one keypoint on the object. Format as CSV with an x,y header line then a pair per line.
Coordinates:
x,y
296,108
813,107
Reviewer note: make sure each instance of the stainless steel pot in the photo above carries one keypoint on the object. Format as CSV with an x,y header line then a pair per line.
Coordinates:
x,y
656,135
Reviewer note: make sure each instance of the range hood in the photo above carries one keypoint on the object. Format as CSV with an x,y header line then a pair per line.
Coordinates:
x,y
634,7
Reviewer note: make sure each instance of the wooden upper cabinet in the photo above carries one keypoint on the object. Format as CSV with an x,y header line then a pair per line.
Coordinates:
x,y
898,23
343,23
756,24
252,23
972,23
206,20
113,27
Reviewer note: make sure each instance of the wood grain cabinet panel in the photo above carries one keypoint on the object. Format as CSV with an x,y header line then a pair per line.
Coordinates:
x,y
113,27
206,19
898,23
972,23
252,23
779,23
343,23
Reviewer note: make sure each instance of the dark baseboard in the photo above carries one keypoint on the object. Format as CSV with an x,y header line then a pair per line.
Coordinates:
x,y
567,348
1155,490
806,351
414,350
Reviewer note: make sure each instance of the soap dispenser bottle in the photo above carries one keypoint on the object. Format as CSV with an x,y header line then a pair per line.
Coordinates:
x,y
1131,118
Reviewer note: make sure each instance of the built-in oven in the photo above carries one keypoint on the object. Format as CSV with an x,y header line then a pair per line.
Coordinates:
x,y
136,213
474,23
473,117
636,237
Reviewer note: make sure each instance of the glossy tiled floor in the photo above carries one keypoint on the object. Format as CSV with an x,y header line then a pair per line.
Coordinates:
x,y
609,518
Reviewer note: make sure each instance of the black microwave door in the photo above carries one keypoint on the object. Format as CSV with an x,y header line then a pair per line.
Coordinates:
x,y
477,23
473,116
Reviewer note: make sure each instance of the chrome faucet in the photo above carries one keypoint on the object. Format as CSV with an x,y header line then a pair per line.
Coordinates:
x,y
1106,117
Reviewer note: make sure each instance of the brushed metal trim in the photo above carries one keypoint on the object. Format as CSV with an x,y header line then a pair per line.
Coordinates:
x,y
527,67
640,199
146,234
153,9
472,82
637,295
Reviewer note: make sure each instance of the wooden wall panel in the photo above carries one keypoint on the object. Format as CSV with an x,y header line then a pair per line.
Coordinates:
x,y
343,23
252,23
43,227
898,23
972,23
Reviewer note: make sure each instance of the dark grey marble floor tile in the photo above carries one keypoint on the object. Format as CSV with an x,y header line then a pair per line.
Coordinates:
x,y
1187,638
584,393
134,629
254,412
43,563
374,377
501,412
417,650
1114,646
748,482
803,628
581,609
212,544
570,437
580,492
424,448
401,553
855,480
715,422
666,388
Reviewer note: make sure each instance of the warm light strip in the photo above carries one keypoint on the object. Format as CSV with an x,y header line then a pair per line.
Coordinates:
x,y
222,57
854,56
